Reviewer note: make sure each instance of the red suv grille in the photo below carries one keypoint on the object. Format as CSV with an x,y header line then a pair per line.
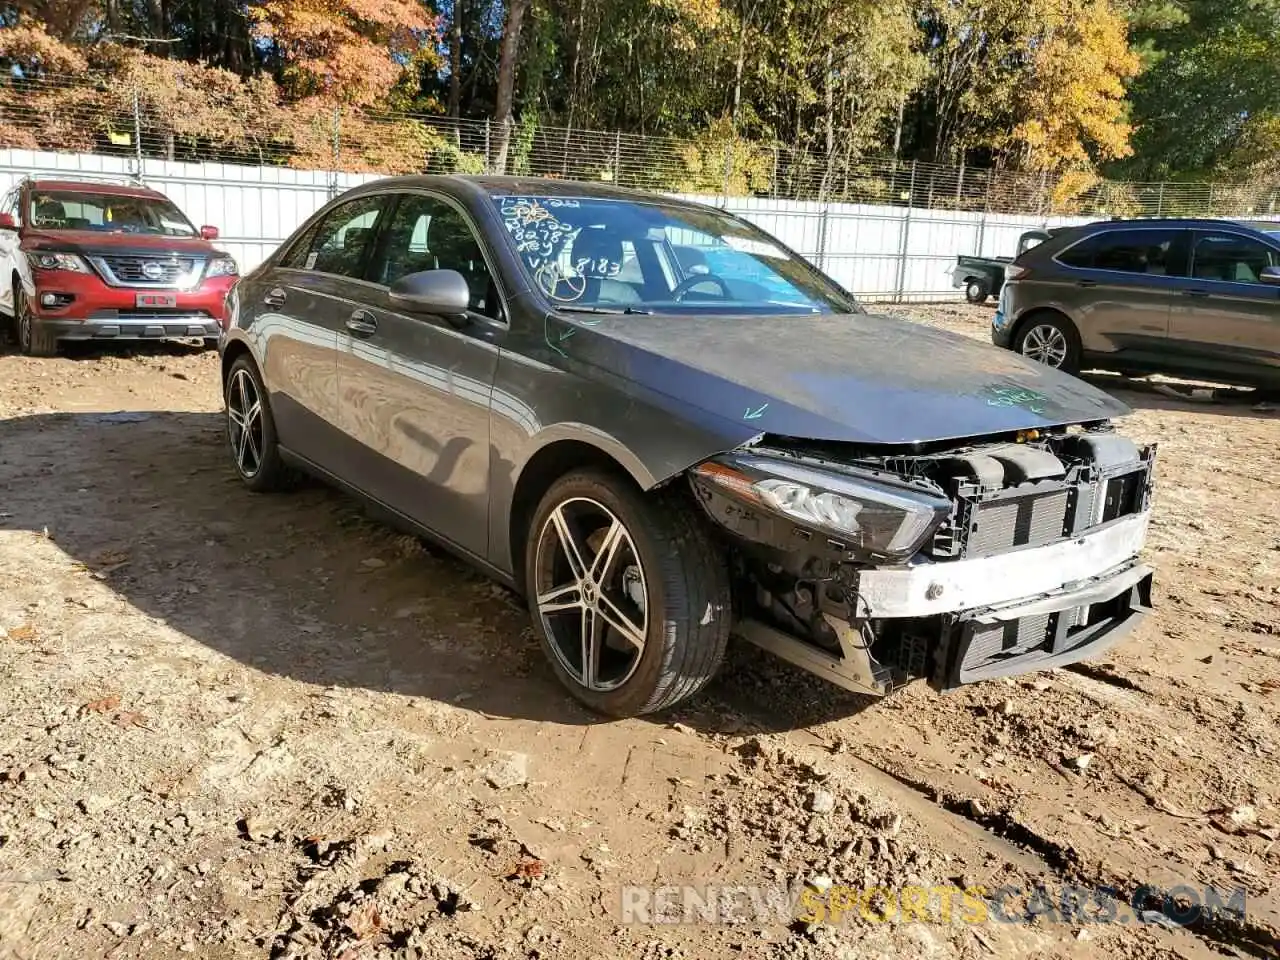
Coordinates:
x,y
129,269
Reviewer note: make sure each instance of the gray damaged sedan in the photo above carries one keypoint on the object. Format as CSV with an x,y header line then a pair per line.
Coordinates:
x,y
663,427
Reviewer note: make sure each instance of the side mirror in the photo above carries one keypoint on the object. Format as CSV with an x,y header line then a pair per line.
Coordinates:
x,y
208,233
1270,275
7,222
441,292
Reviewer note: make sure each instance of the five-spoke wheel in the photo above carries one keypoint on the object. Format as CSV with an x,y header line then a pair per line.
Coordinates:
x,y
244,422
1050,339
628,591
591,593
251,432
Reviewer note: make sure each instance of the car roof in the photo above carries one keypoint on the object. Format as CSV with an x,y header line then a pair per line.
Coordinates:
x,y
496,186
1183,223
93,186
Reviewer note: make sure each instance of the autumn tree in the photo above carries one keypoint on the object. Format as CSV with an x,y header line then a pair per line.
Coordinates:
x,y
1072,111
350,51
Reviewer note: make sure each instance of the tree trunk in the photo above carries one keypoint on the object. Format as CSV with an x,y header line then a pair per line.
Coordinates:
x,y
738,64
455,57
507,79
828,96
113,16
575,62
158,21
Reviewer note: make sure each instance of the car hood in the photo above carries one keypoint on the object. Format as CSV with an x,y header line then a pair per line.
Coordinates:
x,y
855,378
100,241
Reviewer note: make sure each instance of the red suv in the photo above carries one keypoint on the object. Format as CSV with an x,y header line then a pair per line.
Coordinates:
x,y
85,260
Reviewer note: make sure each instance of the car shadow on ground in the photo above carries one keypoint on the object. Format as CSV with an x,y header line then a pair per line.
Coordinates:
x,y
1146,393
305,585
83,350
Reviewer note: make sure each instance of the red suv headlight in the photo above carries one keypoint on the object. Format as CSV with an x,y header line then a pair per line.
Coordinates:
x,y
41,260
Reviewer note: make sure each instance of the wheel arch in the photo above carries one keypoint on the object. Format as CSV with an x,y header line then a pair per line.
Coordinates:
x,y
233,351
1042,311
550,462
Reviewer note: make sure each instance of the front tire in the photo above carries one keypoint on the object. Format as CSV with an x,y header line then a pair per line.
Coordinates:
x,y
251,430
33,339
1051,339
628,592
977,291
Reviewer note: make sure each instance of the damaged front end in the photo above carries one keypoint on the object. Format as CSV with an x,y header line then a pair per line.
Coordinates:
x,y
955,564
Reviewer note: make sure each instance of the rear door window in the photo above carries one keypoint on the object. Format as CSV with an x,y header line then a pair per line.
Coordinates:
x,y
1150,252
1230,257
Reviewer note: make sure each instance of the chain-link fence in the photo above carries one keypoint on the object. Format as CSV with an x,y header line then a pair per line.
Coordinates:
x,y
243,122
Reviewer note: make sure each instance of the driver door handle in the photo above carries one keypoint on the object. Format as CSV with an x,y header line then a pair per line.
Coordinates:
x,y
362,323
275,298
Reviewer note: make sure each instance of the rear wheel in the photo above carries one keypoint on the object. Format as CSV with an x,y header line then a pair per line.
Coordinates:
x,y
251,431
977,290
33,339
628,592
1051,339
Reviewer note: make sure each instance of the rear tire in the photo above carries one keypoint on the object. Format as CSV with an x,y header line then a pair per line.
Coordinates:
x,y
640,577
33,339
251,431
1051,339
976,290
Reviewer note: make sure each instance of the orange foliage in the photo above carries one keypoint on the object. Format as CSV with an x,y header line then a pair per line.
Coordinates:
x,y
350,51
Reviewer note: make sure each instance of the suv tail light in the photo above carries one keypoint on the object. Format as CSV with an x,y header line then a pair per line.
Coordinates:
x,y
1015,272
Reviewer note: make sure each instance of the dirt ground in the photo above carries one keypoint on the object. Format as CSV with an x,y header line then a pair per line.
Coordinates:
x,y
249,726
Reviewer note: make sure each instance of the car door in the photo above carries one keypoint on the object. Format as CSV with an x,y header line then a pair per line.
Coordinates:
x,y
1121,287
302,305
10,250
414,389
1229,320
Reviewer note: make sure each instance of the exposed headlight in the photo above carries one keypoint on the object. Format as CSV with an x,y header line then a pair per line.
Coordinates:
x,y
222,267
871,516
40,260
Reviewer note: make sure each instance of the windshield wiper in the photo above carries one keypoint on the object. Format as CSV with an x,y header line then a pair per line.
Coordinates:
x,y
612,311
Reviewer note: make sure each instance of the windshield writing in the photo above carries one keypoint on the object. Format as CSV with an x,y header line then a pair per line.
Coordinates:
x,y
641,257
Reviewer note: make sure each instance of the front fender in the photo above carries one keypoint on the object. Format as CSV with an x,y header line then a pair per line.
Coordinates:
x,y
536,404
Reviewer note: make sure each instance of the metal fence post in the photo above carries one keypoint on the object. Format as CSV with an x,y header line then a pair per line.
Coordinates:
x,y
773,181
336,148
1160,200
728,167
1209,211
488,158
137,138
824,227
982,221
906,236
617,157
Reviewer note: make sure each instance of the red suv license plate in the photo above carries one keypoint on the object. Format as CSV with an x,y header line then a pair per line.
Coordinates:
x,y
157,300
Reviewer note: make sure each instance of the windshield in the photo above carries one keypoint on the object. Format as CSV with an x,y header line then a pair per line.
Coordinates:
x,y
621,255
108,212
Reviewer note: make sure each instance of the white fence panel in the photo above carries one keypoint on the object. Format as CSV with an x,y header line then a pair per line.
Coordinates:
x,y
877,252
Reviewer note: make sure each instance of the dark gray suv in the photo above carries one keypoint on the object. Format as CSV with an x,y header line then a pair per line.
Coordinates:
x,y
1193,297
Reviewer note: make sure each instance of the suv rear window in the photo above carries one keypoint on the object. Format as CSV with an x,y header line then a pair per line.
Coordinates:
x,y
1127,251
